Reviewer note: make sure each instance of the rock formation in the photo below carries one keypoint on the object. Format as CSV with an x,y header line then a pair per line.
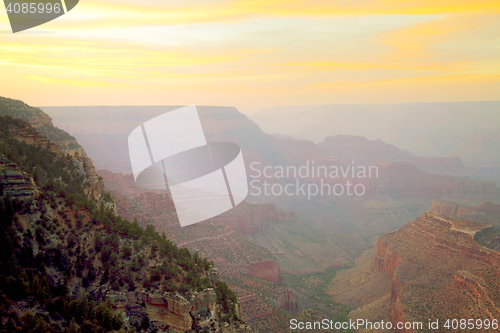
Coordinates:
x,y
14,182
433,268
43,134
247,219
267,270
172,310
439,270
486,212
402,192
288,302
31,136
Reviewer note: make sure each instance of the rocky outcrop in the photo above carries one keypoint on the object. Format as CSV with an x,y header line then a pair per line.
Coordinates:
x,y
43,134
31,136
386,260
14,182
95,186
267,270
288,302
173,310
20,110
448,208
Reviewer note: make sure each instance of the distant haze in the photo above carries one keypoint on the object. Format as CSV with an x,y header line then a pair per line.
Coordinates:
x,y
470,130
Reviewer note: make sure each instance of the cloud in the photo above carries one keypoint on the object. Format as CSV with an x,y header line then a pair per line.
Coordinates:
x,y
283,51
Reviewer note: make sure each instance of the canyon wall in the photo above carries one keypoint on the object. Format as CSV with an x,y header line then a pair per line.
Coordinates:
x,y
247,219
486,212
267,270
288,302
44,134
438,270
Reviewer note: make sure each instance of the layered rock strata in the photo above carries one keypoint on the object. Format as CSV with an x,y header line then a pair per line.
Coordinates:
x,y
288,302
439,271
173,310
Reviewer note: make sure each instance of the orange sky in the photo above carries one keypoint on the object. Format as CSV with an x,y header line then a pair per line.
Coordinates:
x,y
253,54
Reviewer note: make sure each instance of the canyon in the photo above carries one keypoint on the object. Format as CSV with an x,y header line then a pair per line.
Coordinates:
x,y
404,189
432,268
31,166
251,245
266,241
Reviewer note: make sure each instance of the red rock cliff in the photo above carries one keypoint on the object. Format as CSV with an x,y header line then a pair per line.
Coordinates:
x,y
288,302
439,270
267,270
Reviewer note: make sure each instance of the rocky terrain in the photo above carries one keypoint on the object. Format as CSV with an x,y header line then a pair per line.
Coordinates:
x,y
250,270
432,268
70,264
486,212
260,248
288,302
405,188
43,134
15,182
252,246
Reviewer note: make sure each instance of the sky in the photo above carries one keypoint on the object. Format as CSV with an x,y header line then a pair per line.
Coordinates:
x,y
254,53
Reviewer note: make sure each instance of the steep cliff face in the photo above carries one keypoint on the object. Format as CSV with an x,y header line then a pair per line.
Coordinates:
x,y
386,260
438,270
175,311
288,302
68,249
44,134
31,136
15,182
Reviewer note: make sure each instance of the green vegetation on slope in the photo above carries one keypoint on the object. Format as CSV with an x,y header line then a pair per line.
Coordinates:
x,y
310,292
489,237
60,253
